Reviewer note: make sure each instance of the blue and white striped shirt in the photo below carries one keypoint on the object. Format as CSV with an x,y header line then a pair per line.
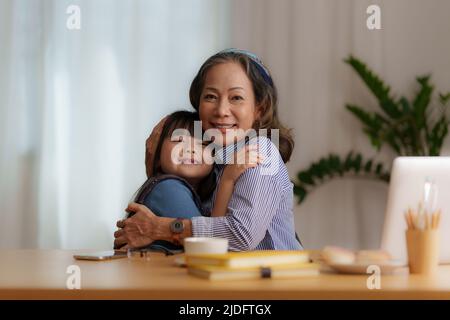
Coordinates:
x,y
260,211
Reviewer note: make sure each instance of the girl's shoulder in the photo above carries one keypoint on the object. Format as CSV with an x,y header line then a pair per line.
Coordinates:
x,y
170,196
164,183
171,183
165,189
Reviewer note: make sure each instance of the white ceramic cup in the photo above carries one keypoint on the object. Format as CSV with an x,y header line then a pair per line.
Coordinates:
x,y
199,245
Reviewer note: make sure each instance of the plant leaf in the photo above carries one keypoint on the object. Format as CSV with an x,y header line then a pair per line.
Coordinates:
x,y
379,89
326,168
422,100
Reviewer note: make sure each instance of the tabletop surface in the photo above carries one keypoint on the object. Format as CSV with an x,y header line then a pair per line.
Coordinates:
x,y
42,274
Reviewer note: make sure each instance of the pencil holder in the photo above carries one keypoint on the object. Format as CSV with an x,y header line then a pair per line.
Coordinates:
x,y
423,250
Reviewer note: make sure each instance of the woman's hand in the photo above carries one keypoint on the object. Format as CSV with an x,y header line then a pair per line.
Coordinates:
x,y
151,144
137,231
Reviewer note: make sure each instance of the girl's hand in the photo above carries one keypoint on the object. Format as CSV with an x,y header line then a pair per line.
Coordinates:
x,y
247,157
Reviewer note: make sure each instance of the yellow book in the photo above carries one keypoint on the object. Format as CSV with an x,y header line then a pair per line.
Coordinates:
x,y
266,258
285,271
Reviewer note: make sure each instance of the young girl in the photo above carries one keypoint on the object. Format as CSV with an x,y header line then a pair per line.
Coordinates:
x,y
181,178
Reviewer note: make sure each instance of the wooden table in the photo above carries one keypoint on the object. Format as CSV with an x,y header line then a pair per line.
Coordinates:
x,y
41,274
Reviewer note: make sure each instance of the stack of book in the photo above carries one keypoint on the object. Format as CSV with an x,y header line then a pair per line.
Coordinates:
x,y
251,265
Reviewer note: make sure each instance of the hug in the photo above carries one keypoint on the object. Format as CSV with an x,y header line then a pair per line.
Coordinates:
x,y
187,196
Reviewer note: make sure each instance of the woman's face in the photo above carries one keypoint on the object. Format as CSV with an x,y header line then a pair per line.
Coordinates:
x,y
183,156
227,102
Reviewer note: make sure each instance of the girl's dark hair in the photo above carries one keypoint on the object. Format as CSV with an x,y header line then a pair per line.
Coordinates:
x,y
183,120
265,95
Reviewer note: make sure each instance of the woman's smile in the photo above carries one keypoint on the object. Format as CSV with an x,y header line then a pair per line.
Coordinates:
x,y
223,127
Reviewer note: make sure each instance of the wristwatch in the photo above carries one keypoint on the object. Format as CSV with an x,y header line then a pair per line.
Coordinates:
x,y
177,228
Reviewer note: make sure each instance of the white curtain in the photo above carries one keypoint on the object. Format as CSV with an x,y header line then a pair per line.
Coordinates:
x,y
304,43
77,105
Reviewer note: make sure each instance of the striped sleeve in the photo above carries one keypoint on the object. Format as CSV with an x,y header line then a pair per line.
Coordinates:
x,y
252,207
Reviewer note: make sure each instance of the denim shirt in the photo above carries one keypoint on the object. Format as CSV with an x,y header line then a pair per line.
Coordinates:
x,y
171,198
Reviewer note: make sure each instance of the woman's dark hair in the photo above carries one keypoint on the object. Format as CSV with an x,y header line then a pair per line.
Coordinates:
x,y
265,95
183,120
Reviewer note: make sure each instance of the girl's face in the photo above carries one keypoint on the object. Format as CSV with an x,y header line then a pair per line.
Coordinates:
x,y
184,157
227,102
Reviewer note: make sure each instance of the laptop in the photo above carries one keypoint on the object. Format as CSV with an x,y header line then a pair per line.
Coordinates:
x,y
406,189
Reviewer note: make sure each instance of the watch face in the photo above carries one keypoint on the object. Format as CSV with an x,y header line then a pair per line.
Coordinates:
x,y
177,226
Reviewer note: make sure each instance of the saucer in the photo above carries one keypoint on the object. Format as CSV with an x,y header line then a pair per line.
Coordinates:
x,y
386,267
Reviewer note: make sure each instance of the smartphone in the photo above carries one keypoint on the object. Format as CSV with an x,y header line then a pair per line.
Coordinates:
x,y
101,255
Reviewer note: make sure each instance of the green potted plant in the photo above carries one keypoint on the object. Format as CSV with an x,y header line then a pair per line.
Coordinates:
x,y
410,128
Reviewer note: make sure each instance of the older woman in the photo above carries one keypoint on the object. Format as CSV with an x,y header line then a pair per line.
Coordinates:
x,y
232,91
